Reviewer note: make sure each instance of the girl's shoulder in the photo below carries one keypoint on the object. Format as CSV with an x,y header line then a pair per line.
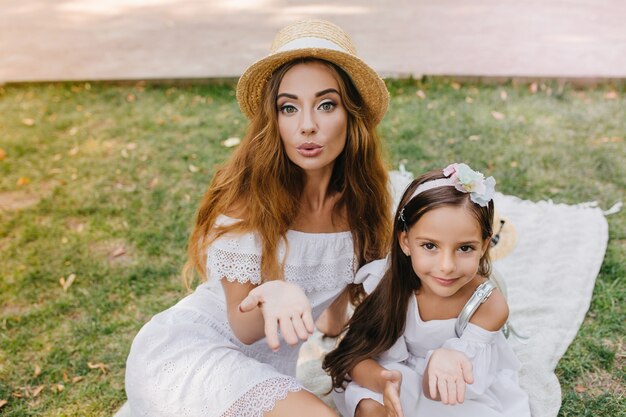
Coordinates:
x,y
493,313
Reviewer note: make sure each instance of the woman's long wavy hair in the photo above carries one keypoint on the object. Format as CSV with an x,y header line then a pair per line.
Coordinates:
x,y
380,319
262,179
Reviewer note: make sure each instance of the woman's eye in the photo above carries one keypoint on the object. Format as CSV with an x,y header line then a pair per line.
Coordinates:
x,y
287,109
466,248
327,106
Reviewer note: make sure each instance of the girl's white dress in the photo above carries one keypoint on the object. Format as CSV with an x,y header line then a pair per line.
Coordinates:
x,y
186,360
495,391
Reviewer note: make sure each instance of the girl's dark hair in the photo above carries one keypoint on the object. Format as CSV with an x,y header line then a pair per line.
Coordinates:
x,y
380,319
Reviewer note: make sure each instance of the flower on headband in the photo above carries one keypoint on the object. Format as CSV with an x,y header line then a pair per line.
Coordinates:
x,y
467,180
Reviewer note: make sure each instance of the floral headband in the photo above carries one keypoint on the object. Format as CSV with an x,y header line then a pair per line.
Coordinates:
x,y
464,179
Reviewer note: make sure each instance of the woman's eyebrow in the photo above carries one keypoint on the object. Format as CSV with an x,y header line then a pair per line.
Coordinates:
x,y
328,90
291,96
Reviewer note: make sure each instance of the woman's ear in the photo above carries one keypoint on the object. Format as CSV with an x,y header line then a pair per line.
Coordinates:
x,y
403,240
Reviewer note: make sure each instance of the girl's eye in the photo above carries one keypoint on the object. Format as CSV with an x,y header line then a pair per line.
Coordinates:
x,y
429,246
327,106
288,109
466,248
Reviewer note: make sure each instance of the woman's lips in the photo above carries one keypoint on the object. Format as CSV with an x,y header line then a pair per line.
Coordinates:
x,y
309,149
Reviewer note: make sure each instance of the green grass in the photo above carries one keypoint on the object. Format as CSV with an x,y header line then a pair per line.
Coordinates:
x,y
124,166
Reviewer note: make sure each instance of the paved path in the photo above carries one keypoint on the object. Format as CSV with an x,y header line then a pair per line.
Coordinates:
x,y
174,39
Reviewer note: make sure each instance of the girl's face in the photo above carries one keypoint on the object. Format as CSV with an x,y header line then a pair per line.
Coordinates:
x,y
312,120
445,246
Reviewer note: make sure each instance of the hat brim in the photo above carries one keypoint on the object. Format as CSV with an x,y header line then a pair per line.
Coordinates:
x,y
369,84
507,238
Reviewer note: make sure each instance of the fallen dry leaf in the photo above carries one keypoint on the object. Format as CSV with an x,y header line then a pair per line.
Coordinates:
x,y
431,105
65,377
60,387
130,98
497,115
73,131
17,394
21,181
610,95
99,365
580,388
37,371
3,154
28,122
469,100
3,403
230,142
37,390
67,283
119,251
77,379
421,94
503,95
604,139
130,146
514,164
73,151
533,88
193,168
154,182
474,138
456,85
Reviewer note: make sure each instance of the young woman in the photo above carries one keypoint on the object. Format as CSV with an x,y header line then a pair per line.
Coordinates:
x,y
285,223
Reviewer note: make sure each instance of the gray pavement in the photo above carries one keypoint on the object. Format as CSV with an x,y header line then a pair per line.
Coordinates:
x,y
43,40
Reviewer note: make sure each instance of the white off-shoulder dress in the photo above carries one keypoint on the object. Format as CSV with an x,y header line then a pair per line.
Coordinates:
x,y
495,391
186,360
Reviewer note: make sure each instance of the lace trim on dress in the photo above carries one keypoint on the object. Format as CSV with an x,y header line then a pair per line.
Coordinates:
x,y
245,267
262,397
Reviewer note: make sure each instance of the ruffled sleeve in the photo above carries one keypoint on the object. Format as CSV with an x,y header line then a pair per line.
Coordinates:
x,y
234,256
370,274
396,353
488,353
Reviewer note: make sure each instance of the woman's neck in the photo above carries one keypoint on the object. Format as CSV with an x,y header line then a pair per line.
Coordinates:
x,y
317,212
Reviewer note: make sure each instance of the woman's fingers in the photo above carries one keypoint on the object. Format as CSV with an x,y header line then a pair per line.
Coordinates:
x,y
287,330
467,369
249,303
271,333
307,319
300,328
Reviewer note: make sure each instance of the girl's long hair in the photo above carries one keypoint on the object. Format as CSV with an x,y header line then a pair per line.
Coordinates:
x,y
381,317
260,178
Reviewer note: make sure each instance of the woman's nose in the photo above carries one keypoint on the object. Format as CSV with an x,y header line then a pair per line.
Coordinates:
x,y
308,124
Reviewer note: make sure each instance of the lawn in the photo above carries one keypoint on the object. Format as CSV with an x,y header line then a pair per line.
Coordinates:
x,y
99,184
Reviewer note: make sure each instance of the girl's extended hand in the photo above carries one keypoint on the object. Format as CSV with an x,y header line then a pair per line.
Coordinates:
x,y
283,305
391,393
448,371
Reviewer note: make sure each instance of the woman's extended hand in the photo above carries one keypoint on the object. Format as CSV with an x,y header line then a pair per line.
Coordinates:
x,y
391,393
448,371
283,305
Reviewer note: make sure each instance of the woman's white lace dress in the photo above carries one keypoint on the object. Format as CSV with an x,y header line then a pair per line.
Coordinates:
x,y
495,391
186,360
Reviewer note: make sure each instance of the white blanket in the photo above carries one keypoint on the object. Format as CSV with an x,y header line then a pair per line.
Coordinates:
x,y
549,278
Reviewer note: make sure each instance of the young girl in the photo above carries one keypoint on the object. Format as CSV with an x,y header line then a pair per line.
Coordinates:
x,y
278,237
435,277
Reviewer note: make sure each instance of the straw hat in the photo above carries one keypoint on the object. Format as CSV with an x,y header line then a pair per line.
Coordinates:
x,y
504,237
313,38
